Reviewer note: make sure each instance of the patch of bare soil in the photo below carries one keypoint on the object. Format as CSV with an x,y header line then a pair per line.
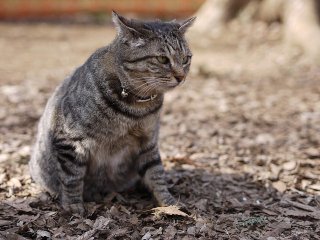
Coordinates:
x,y
241,149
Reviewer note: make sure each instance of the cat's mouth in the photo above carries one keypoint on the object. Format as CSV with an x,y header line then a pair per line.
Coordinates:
x,y
161,86
167,86
174,82
173,86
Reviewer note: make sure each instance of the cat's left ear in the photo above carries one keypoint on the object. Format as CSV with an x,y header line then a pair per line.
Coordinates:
x,y
123,25
129,29
186,24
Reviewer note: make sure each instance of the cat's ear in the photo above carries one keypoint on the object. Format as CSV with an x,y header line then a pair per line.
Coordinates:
x,y
124,26
186,24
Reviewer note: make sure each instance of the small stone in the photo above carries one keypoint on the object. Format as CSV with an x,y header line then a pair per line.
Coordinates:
x,y
43,234
265,138
202,204
24,151
170,232
3,177
280,186
313,153
191,230
188,167
187,238
315,187
204,229
147,236
114,211
289,166
15,183
4,157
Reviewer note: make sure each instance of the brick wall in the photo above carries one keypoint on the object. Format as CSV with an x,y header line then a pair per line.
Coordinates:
x,y
21,9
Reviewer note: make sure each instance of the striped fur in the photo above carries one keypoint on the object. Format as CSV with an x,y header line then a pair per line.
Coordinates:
x,y
91,140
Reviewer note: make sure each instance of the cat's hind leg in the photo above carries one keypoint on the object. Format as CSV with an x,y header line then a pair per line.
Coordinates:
x,y
43,169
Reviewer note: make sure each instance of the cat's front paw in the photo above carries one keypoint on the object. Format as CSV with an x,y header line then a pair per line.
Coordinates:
x,y
171,201
74,208
167,201
182,207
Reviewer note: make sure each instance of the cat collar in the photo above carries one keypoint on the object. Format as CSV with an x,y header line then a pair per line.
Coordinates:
x,y
124,94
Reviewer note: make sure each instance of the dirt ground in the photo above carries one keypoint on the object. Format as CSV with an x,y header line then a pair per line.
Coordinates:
x,y
240,140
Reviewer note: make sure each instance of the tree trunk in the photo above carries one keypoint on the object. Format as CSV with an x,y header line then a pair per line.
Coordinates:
x,y
271,10
302,28
213,14
300,18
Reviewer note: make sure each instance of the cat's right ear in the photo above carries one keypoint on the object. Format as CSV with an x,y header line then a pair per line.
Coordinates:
x,y
186,24
123,25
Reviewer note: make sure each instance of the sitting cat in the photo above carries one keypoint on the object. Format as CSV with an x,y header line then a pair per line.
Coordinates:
x,y
99,131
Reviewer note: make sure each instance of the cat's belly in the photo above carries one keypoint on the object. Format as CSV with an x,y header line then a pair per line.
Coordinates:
x,y
113,168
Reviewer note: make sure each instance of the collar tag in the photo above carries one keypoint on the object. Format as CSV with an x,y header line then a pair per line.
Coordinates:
x,y
124,94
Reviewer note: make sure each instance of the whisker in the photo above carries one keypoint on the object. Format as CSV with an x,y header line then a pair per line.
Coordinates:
x,y
141,87
147,84
138,87
147,88
151,86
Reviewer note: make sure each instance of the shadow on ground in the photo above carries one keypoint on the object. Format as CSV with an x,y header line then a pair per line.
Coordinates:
x,y
221,206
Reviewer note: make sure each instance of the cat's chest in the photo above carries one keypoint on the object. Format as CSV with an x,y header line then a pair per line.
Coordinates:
x,y
116,149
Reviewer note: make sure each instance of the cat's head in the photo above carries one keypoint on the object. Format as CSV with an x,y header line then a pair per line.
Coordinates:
x,y
152,57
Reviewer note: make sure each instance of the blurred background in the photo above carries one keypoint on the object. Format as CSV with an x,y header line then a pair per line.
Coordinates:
x,y
241,133
46,9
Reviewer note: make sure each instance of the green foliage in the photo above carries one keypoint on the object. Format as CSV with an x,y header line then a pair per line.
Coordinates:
x,y
253,221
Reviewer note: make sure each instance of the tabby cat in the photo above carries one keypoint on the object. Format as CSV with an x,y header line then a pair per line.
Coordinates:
x,y
99,131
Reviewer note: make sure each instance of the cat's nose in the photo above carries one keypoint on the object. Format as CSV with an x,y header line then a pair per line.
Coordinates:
x,y
179,78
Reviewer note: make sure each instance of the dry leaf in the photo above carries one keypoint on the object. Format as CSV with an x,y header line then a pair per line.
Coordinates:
x,y
170,210
101,223
28,218
124,209
304,184
191,230
289,166
275,171
21,204
313,153
301,206
134,220
117,234
43,234
299,213
202,204
170,232
280,186
114,211
14,182
5,222
147,236
10,236
315,187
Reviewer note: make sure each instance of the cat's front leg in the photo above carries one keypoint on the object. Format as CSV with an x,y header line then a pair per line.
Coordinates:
x,y
152,174
73,166
72,195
